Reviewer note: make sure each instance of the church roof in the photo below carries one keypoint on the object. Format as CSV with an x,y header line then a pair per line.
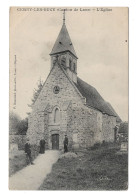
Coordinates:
x,y
118,118
93,98
63,42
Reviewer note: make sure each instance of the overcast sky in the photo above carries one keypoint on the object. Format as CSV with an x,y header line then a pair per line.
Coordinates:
x,y
100,40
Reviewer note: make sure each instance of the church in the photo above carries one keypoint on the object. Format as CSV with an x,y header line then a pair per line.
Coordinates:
x,y
67,105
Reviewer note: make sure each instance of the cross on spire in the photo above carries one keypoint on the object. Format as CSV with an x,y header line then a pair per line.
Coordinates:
x,y
64,17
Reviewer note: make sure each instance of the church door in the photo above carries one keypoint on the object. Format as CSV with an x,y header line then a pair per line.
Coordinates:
x,y
55,141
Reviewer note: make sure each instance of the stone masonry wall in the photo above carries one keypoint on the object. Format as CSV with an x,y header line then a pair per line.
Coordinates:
x,y
46,133
108,125
82,127
36,127
57,128
37,124
98,134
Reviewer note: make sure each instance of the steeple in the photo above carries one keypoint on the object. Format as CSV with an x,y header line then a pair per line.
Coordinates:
x,y
64,17
63,42
63,48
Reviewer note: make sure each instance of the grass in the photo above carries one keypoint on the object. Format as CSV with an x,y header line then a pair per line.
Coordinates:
x,y
17,161
98,168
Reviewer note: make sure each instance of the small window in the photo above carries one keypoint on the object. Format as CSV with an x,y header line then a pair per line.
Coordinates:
x,y
70,64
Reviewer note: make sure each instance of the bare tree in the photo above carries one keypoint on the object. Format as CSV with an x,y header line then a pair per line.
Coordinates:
x,y
36,92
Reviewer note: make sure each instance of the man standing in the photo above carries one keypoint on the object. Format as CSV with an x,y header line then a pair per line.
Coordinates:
x,y
66,144
28,151
42,146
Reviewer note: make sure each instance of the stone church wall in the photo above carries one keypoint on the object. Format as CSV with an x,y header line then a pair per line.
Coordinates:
x,y
84,126
67,91
38,120
36,127
57,128
98,133
46,131
83,129
108,125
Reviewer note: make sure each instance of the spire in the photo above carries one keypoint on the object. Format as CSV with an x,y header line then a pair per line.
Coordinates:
x,y
63,42
64,17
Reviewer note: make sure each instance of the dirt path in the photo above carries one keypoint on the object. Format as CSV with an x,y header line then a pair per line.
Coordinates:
x,y
32,176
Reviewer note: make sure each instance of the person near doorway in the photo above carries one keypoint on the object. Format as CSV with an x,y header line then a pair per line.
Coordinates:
x,y
42,146
28,152
66,144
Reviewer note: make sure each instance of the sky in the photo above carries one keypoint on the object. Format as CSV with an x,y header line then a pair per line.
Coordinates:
x,y
100,39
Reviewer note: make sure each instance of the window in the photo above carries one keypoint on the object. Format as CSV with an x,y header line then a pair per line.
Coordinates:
x,y
56,89
74,67
56,116
70,64
63,61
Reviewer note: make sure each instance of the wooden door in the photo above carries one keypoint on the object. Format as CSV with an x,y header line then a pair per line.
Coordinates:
x,y
55,141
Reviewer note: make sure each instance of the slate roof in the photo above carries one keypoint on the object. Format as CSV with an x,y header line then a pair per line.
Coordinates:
x,y
63,42
118,118
93,98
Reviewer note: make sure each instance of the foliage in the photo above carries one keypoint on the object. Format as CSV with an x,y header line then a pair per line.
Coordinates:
x,y
16,125
23,126
123,127
14,121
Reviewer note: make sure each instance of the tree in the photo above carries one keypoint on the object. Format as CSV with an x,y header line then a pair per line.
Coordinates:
x,y
14,121
36,92
23,126
16,125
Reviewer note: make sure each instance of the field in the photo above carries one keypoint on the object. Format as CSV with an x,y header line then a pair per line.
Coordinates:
x,y
98,168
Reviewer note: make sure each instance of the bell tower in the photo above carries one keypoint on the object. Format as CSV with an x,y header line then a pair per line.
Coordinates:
x,y
63,50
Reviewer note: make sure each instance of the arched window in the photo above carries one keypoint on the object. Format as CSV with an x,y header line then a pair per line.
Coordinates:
x,y
56,116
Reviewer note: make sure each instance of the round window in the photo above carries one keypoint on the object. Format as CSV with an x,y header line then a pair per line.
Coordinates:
x,y
56,89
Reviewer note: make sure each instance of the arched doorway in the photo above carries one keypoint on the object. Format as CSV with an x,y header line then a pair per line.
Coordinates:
x,y
55,141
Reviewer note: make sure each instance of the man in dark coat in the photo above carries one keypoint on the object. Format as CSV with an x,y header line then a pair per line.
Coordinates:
x,y
28,152
66,144
42,146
